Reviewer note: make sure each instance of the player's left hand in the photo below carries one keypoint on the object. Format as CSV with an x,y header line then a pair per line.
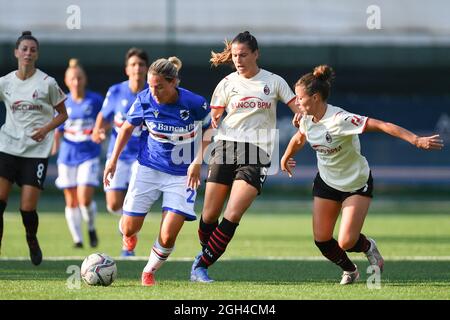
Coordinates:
x,y
430,143
193,175
39,134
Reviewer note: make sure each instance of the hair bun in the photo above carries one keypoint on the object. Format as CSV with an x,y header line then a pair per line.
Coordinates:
x,y
176,62
26,33
73,63
323,72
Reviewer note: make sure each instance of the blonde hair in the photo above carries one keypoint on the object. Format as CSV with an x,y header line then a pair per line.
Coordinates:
x,y
167,68
75,64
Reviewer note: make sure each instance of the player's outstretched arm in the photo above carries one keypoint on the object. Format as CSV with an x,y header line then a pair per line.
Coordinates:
x,y
295,145
433,142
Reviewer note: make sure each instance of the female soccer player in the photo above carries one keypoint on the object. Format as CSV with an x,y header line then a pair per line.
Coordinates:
x,y
344,181
168,162
79,157
31,98
244,145
115,107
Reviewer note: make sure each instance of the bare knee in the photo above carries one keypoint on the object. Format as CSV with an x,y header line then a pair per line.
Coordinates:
x,y
167,240
114,206
129,229
347,242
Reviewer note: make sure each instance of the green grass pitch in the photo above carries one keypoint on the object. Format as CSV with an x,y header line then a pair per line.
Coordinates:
x,y
272,257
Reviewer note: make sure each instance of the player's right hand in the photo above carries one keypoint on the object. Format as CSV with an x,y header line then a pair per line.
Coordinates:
x,y
98,135
108,174
287,164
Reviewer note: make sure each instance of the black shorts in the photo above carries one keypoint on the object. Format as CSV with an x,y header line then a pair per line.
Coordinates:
x,y
28,171
322,190
232,160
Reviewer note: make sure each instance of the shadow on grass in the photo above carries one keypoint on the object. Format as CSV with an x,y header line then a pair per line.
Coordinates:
x,y
267,272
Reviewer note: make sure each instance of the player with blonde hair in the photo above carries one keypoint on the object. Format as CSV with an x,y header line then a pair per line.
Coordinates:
x,y
167,162
78,156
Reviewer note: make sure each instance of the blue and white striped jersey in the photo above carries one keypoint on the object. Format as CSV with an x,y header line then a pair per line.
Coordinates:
x,y
115,108
167,141
77,146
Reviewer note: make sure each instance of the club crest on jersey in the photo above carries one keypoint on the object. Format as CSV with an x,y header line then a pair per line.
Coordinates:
x,y
35,94
266,90
124,102
328,137
155,113
184,114
88,109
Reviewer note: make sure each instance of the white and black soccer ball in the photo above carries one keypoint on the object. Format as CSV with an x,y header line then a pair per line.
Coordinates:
x,y
99,269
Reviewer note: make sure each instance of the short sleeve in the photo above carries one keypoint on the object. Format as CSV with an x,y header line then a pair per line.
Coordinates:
x,y
204,114
56,95
219,98
350,123
285,93
135,115
302,125
108,106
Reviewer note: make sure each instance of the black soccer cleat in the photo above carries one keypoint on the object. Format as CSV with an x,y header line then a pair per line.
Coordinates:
x,y
78,245
93,240
35,250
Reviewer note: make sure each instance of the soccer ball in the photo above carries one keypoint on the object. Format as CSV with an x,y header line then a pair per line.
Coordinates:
x,y
98,269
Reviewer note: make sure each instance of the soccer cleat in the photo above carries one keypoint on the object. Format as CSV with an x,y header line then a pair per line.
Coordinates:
x,y
127,253
148,279
93,240
374,256
35,250
129,243
78,245
348,277
196,260
200,275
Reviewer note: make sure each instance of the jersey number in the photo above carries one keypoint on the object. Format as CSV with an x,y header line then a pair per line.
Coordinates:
x,y
40,170
190,198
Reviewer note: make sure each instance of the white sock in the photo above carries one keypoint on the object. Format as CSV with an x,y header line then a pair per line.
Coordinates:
x,y
89,214
73,218
114,212
158,256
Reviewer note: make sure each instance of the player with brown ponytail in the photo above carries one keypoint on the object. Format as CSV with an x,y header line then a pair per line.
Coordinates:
x,y
344,182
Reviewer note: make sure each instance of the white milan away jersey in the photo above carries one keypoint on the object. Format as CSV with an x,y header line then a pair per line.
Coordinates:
x,y
251,106
29,105
335,140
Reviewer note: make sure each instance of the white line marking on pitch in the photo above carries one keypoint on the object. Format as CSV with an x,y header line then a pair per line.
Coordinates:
x,y
270,258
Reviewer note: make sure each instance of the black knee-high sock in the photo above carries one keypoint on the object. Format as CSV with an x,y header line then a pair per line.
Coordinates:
x,y
217,243
2,211
30,220
331,250
362,245
205,230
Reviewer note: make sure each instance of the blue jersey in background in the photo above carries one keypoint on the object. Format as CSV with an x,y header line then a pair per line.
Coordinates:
x,y
77,146
115,108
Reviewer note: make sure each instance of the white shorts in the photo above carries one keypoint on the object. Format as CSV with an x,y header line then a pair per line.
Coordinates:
x,y
84,174
121,178
147,185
